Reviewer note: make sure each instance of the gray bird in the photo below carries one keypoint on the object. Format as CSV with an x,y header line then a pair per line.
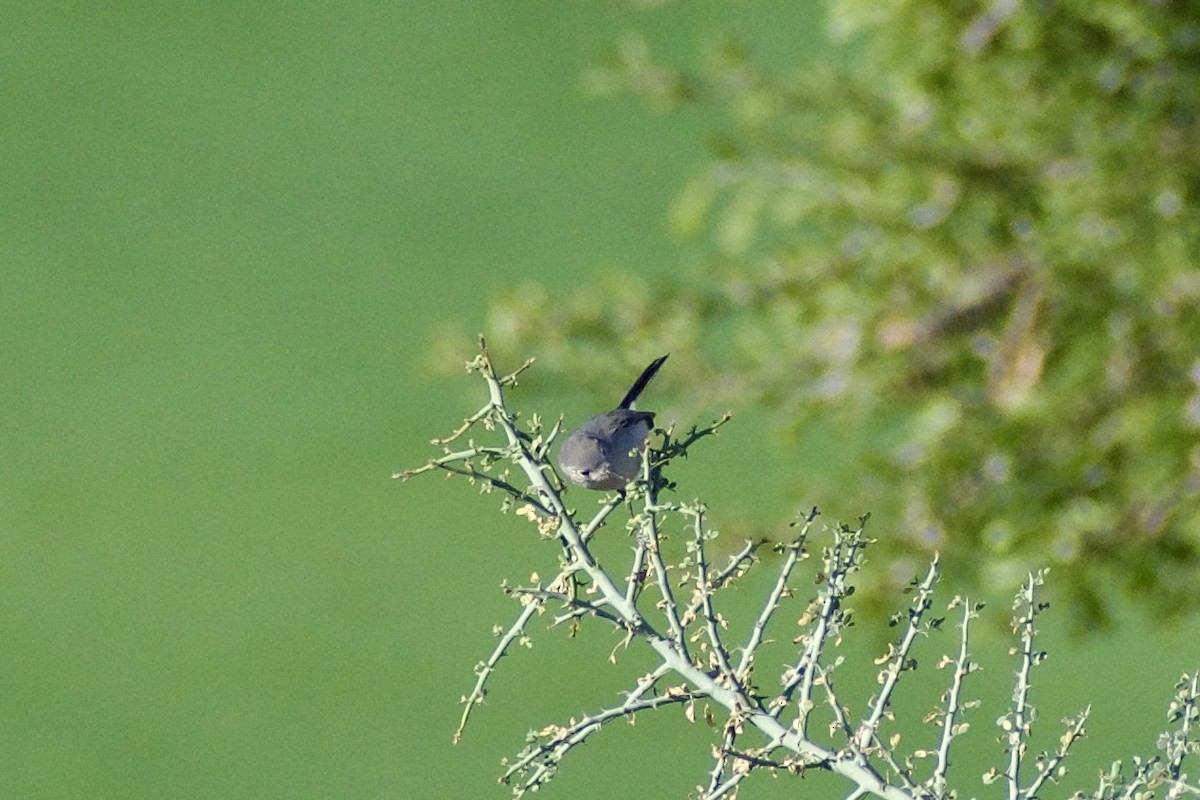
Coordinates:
x,y
605,451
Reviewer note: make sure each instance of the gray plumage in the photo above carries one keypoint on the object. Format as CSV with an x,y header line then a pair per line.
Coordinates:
x,y
605,451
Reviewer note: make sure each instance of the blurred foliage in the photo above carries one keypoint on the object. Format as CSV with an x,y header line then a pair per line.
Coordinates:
x,y
976,228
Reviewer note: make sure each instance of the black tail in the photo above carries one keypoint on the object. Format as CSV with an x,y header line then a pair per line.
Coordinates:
x,y
641,382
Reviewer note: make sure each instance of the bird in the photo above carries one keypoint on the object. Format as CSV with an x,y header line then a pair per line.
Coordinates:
x,y
605,451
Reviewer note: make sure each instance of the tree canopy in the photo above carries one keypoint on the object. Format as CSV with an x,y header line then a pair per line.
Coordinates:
x,y
972,233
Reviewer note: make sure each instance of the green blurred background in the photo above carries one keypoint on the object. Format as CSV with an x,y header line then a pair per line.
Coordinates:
x,y
226,234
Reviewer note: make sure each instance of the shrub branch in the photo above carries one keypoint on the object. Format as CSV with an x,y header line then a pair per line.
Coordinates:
x,y
669,605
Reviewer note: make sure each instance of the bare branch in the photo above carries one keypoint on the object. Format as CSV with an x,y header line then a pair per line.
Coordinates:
x,y
754,735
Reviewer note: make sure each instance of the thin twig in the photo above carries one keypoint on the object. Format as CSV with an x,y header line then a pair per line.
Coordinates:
x,y
712,624
899,663
1018,722
486,668
541,758
1048,770
578,607
840,558
795,553
953,700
